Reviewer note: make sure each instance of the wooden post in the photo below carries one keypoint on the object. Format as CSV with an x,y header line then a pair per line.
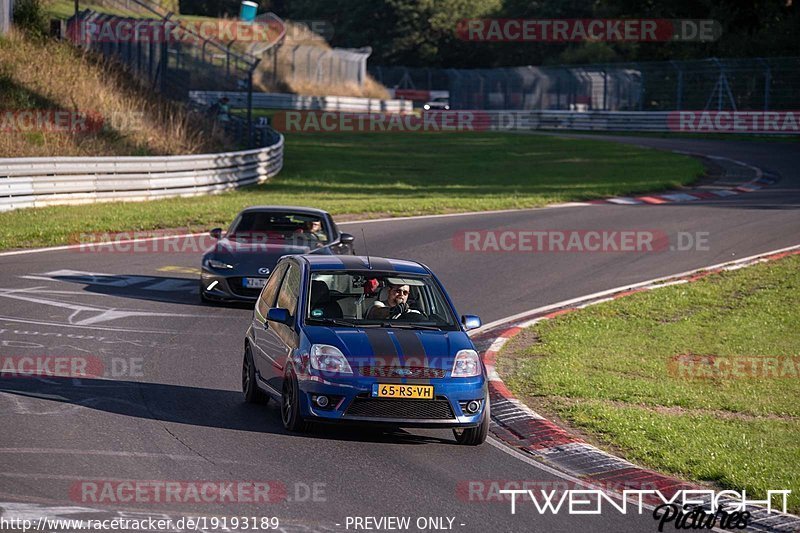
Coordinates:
x,y
6,12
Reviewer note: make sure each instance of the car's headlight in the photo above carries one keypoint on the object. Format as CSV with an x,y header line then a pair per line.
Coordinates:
x,y
219,265
467,364
329,359
426,107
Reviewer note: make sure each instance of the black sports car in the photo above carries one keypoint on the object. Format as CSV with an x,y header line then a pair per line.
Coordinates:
x,y
239,265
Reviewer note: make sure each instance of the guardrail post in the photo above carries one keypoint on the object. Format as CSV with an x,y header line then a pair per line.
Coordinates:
x,y
642,92
679,89
250,107
767,81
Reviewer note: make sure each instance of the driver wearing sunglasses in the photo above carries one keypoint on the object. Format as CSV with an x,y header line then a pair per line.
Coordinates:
x,y
395,306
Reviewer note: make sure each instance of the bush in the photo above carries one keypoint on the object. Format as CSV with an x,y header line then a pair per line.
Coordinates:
x,y
30,16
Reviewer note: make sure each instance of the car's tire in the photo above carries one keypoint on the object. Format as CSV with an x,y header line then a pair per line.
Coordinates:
x,y
476,435
252,394
290,405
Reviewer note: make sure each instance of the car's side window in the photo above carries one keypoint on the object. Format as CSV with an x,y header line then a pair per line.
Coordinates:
x,y
267,298
290,290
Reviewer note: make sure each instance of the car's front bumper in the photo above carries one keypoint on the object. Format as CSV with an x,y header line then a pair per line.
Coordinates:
x,y
226,287
352,402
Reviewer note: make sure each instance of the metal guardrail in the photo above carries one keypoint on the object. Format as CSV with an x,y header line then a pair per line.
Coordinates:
x,y
38,182
298,102
634,121
511,120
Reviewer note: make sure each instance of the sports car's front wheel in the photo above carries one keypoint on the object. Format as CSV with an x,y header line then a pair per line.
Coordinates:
x,y
475,435
290,405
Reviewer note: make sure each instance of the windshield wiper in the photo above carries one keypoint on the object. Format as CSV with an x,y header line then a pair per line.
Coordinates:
x,y
409,326
341,322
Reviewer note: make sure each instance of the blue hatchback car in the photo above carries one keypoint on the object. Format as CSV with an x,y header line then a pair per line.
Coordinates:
x,y
349,339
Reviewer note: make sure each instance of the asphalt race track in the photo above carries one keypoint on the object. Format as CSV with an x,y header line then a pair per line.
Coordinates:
x,y
173,411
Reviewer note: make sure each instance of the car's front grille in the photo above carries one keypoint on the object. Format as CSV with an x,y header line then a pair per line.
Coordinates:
x,y
400,409
239,290
415,372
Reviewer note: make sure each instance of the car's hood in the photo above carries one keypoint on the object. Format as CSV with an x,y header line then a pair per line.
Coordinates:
x,y
248,258
393,346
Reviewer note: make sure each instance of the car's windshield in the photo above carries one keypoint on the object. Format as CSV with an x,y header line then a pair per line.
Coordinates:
x,y
357,299
267,226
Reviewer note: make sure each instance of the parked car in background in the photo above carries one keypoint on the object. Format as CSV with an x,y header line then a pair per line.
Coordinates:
x,y
442,103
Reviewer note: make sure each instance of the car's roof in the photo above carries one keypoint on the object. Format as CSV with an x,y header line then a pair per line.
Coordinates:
x,y
285,209
359,262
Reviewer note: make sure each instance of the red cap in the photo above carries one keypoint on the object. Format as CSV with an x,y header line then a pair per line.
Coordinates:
x,y
371,286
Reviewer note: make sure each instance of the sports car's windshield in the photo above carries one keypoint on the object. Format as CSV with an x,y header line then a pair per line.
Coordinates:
x,y
346,298
269,226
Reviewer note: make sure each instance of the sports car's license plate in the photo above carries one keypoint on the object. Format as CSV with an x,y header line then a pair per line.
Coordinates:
x,y
254,283
383,390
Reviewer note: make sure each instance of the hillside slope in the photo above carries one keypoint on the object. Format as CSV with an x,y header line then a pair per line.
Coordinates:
x,y
58,101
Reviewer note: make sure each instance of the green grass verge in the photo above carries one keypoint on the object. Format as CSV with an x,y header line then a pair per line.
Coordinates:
x,y
604,370
388,174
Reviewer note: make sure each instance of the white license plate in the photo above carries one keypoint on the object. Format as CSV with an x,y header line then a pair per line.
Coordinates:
x,y
254,283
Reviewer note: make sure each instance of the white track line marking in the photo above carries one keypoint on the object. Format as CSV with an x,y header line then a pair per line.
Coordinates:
x,y
364,221
557,305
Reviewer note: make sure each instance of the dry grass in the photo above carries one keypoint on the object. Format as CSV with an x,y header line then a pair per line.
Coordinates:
x,y
299,34
45,74
371,89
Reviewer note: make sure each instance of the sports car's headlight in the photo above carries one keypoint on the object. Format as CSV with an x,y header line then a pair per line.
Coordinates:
x,y
467,364
329,359
219,265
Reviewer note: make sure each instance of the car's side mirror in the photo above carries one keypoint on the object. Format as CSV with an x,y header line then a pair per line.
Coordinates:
x,y
471,322
279,314
346,238
216,233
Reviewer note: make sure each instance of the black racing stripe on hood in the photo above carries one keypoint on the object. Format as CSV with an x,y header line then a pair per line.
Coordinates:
x,y
413,351
384,351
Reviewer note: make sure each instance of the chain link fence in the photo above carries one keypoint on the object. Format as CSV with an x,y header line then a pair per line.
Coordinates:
x,y
172,54
757,84
326,66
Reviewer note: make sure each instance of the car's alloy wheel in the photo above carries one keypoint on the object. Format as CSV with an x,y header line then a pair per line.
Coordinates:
x,y
252,394
476,435
290,405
